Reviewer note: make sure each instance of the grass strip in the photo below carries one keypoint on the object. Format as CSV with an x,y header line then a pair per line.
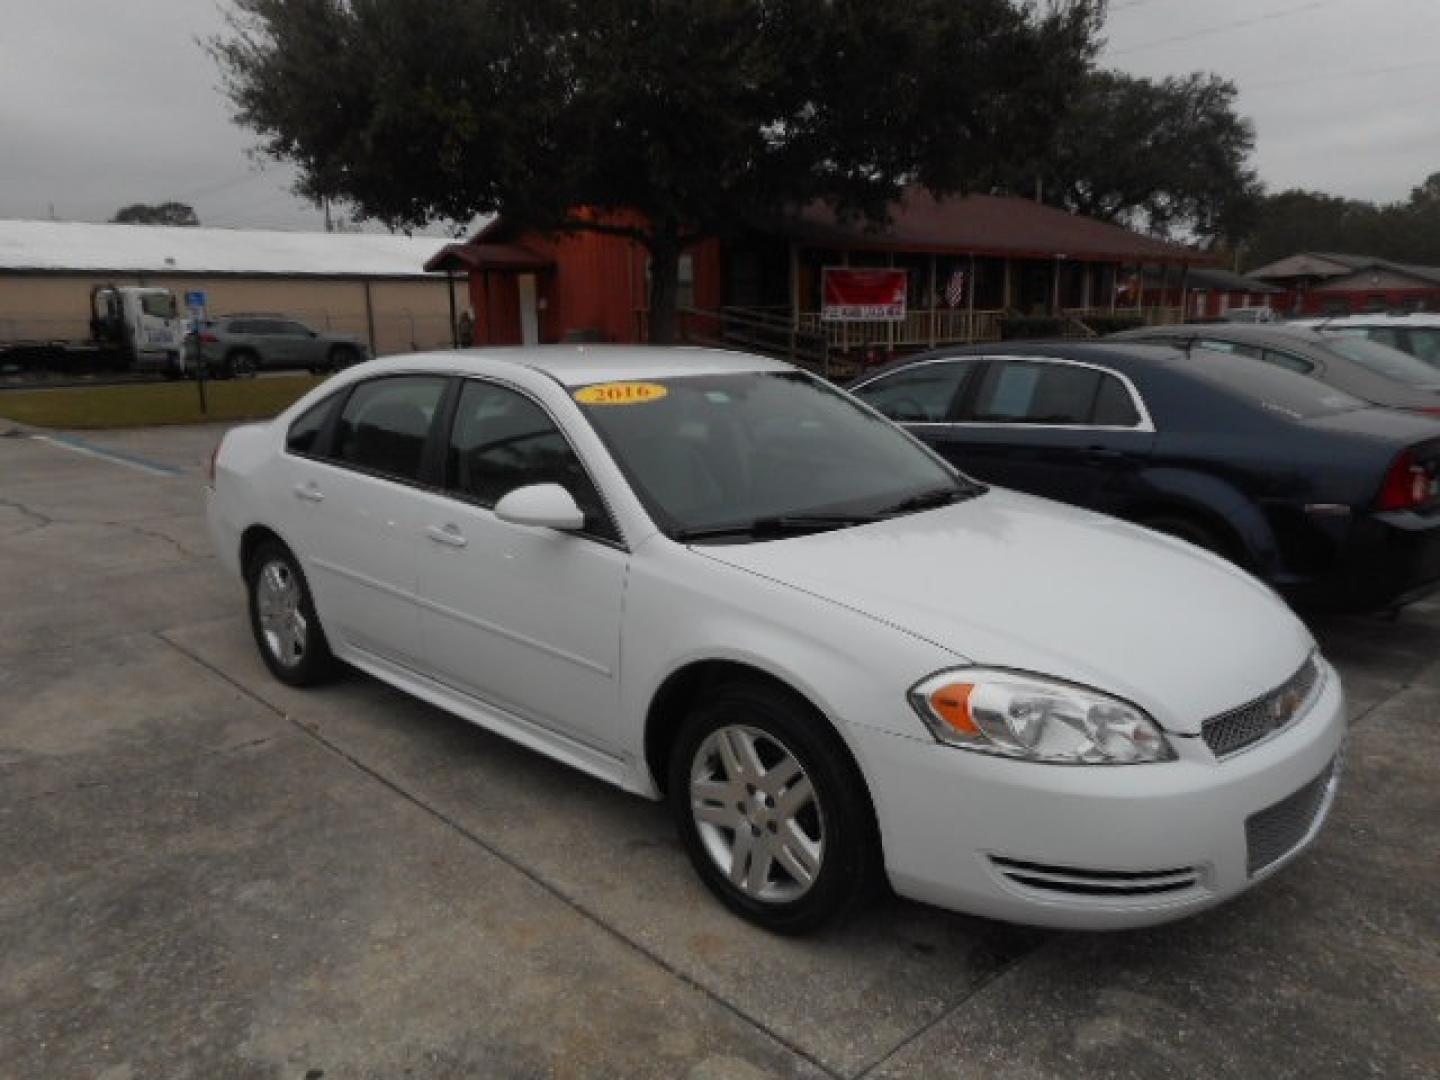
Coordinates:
x,y
153,403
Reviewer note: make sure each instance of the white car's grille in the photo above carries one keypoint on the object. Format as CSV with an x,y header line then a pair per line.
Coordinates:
x,y
1239,728
1275,831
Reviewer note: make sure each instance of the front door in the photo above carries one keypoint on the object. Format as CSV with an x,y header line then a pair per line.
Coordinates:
x,y
526,619
1051,427
529,311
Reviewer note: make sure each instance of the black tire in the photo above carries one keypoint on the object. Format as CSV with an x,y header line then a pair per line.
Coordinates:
x,y
1192,531
301,657
242,364
341,357
839,814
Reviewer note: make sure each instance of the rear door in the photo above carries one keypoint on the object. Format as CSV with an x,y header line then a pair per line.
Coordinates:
x,y
1064,429
358,513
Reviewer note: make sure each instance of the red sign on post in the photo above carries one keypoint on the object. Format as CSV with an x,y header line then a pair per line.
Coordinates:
x,y
861,295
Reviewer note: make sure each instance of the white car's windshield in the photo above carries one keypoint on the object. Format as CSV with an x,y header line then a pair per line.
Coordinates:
x,y
762,454
1383,360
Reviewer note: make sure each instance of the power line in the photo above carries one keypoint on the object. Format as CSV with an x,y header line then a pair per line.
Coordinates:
x,y
225,185
1130,4
1220,28
1356,73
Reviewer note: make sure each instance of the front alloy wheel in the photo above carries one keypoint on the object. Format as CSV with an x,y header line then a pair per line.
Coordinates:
x,y
771,808
757,814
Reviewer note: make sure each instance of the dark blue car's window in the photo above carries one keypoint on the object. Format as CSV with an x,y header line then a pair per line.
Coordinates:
x,y
1114,406
916,395
1044,392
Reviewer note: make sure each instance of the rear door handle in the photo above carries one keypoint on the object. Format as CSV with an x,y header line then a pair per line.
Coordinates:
x,y
449,535
309,492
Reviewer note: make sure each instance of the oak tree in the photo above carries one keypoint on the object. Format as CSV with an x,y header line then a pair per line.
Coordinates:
x,y
663,120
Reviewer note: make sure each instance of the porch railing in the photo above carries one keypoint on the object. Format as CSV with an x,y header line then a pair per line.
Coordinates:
x,y
843,348
921,328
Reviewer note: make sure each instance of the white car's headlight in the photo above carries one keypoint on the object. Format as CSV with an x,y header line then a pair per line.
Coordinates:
x,y
1017,715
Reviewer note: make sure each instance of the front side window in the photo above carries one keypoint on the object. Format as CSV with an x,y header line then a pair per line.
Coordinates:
x,y
501,440
919,395
1235,348
1288,361
385,423
1046,393
1425,344
158,305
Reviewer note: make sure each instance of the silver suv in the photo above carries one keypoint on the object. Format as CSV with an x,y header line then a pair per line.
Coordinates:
x,y
239,346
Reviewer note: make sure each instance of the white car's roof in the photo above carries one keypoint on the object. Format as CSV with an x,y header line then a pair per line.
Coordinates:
x,y
579,365
1417,318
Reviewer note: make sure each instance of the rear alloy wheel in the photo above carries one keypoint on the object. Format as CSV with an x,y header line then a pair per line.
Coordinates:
x,y
771,810
241,364
283,620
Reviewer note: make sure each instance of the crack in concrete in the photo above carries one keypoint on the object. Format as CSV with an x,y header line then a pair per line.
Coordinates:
x,y
153,534
574,903
37,519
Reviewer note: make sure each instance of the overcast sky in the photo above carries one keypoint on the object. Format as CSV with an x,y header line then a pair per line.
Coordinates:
x,y
103,104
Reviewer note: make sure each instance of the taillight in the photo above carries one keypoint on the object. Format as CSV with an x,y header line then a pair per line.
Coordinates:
x,y
209,339
1408,484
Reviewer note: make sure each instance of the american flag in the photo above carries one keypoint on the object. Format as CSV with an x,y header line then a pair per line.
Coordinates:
x,y
955,289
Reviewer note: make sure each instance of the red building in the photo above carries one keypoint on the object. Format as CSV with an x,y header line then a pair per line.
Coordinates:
x,y
529,288
968,263
1324,284
1207,293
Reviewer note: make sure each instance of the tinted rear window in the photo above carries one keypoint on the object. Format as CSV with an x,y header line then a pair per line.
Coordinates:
x,y
1383,360
1272,389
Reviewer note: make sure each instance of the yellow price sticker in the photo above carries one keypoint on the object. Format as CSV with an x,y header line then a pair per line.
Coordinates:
x,y
620,393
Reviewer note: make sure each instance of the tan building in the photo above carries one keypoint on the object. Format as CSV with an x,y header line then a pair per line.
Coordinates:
x,y
371,285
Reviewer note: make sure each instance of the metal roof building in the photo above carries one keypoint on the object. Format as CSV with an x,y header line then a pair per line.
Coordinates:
x,y
373,285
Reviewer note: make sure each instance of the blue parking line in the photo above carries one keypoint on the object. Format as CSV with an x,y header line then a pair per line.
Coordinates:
x,y
120,457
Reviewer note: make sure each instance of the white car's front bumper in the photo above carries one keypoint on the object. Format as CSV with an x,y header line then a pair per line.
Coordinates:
x,y
1102,847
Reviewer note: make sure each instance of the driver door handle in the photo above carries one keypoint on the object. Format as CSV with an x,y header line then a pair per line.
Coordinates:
x,y
309,492
449,535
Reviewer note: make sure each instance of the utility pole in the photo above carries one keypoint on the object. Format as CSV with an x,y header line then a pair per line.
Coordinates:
x,y
329,224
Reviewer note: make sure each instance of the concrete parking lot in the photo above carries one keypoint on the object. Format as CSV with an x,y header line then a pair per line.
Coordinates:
x,y
206,874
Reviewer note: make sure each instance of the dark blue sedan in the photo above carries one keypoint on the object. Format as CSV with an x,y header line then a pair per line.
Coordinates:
x,y
1334,502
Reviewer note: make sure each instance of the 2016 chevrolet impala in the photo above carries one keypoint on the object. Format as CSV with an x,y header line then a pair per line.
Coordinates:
x,y
714,579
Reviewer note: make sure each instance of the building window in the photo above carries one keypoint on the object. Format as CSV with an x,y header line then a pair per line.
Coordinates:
x,y
684,285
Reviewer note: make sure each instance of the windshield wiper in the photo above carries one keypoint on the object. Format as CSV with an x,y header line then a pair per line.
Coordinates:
x,y
781,525
930,500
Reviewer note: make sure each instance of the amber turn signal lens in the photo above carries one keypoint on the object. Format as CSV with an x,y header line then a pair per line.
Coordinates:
x,y
952,704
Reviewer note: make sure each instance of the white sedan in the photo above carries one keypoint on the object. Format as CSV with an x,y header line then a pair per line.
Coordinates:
x,y
714,579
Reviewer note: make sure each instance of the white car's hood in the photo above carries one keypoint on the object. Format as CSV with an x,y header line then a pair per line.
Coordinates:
x,y
1015,581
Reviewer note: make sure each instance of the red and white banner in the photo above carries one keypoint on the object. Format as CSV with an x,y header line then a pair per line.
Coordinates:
x,y
861,295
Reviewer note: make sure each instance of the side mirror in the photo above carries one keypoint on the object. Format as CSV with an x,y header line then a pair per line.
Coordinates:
x,y
541,506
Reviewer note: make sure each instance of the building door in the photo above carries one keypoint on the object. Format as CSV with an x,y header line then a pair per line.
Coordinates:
x,y
529,312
